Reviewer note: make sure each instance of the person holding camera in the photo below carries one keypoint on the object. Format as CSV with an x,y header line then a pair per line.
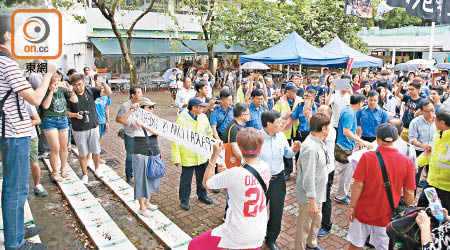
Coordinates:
x,y
245,226
438,238
85,122
222,115
55,123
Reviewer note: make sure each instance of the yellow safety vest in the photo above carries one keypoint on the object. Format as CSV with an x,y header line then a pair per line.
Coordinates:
x,y
283,107
240,97
438,161
183,155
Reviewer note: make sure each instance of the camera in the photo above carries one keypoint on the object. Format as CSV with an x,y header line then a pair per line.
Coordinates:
x,y
85,115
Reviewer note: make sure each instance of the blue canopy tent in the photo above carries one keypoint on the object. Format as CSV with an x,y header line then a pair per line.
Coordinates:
x,y
296,50
360,60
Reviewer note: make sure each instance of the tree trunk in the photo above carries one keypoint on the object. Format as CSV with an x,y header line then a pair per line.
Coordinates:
x,y
211,58
129,60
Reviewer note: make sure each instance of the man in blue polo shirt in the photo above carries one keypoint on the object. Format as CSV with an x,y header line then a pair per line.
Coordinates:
x,y
222,115
256,109
303,113
369,117
315,84
346,141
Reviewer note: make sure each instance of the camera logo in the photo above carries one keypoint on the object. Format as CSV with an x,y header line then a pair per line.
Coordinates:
x,y
36,33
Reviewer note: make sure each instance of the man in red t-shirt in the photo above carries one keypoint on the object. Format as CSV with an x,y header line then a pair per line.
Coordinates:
x,y
369,211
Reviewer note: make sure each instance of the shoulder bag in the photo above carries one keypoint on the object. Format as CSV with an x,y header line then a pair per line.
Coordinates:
x,y
230,159
155,165
257,176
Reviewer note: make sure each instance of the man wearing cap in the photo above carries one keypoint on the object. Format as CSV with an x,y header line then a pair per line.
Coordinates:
x,y
286,105
369,210
315,84
195,120
243,94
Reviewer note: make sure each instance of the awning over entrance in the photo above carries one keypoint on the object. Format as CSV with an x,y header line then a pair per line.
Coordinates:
x,y
109,47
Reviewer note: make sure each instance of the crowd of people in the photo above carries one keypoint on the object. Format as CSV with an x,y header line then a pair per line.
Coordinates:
x,y
265,132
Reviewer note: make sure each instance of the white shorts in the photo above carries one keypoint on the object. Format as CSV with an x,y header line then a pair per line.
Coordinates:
x,y
87,141
358,233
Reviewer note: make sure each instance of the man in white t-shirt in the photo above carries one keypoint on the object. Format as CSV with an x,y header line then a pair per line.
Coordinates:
x,y
338,101
246,220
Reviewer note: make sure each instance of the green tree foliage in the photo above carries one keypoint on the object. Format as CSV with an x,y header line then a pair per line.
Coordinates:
x,y
397,18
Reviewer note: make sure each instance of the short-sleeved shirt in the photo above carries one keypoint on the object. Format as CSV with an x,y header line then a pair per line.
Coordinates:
x,y
246,223
11,78
338,102
319,91
372,207
31,111
347,120
411,106
303,120
368,120
58,105
421,131
218,118
232,129
86,102
255,116
100,105
123,109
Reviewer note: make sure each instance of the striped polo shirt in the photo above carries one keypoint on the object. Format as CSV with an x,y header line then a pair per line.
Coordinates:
x,y
11,77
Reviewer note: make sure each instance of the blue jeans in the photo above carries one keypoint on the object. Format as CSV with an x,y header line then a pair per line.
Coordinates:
x,y
129,144
186,180
16,174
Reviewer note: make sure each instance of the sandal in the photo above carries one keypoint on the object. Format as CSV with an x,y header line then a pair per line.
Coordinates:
x,y
56,178
64,174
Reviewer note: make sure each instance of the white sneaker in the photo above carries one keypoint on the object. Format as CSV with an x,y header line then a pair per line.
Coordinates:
x,y
85,179
98,173
152,207
145,213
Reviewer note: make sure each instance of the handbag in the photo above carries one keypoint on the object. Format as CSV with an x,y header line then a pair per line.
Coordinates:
x,y
341,154
155,166
230,160
257,176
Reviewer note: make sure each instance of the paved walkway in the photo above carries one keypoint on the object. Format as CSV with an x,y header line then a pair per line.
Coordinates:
x,y
202,217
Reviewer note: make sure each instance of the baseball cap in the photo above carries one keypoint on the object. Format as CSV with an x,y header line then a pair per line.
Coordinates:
x,y
243,81
314,76
144,101
387,132
195,101
290,86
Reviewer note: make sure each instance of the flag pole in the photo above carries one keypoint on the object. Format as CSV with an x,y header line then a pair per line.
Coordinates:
x,y
430,54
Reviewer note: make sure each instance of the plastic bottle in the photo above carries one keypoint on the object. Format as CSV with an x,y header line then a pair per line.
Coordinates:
x,y
435,203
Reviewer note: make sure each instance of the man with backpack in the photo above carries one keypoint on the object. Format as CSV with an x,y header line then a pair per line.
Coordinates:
x,y
379,179
15,141
85,122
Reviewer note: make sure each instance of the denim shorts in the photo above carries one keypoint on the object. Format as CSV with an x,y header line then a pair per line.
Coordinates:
x,y
55,122
102,129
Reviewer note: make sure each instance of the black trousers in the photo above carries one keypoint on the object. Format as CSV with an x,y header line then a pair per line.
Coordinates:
x,y
288,163
326,206
186,180
275,199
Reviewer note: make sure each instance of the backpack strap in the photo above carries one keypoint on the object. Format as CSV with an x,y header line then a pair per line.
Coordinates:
x,y
386,182
257,176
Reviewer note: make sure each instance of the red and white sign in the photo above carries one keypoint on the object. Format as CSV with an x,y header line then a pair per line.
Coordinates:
x,y
349,65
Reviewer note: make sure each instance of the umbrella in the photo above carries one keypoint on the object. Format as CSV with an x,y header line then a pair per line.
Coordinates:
x,y
254,65
421,62
404,67
168,72
442,66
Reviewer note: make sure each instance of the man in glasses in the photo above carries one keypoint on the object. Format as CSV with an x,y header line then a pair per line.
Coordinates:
x,y
312,177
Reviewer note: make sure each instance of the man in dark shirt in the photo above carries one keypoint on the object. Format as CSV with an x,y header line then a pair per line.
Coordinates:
x,y
411,101
85,122
315,84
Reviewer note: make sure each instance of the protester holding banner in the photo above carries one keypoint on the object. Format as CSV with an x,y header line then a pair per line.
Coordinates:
x,y
145,145
135,95
245,226
195,120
